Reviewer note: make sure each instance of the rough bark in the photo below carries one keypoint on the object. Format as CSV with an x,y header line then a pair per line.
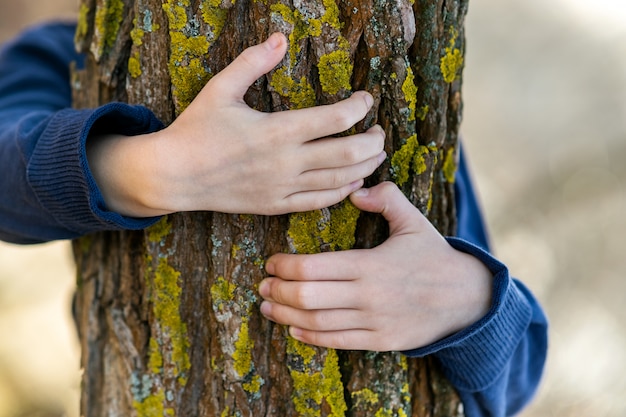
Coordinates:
x,y
168,317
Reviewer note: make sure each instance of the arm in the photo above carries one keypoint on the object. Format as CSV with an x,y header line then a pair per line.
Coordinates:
x,y
70,172
47,191
486,330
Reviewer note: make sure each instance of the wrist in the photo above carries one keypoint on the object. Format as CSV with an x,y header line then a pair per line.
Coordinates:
x,y
124,169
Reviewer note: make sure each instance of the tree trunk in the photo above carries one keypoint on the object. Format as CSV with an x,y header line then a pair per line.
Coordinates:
x,y
169,317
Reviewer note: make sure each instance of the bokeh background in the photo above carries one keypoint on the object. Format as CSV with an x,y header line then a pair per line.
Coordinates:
x,y
545,129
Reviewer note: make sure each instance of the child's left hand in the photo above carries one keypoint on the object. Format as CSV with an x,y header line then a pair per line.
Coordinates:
x,y
410,291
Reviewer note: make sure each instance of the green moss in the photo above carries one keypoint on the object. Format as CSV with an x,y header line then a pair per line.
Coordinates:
x,y
384,412
409,89
158,231
300,93
449,165
452,61
243,350
335,71
166,306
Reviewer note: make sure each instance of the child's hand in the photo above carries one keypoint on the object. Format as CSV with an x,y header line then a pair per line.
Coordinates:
x,y
410,291
221,155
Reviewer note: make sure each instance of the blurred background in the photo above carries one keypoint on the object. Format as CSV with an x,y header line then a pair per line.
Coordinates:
x,y
545,129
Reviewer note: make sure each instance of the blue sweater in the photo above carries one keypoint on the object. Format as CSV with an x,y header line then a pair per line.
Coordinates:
x,y
47,192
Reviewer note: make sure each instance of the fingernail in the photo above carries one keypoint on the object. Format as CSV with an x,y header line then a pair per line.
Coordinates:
x,y
381,157
295,332
270,268
264,289
361,192
369,99
274,41
265,308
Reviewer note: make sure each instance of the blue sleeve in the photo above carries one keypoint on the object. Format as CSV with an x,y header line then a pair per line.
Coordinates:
x,y
495,364
47,191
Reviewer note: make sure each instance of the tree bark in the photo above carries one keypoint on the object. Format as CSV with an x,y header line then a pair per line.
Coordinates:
x,y
168,317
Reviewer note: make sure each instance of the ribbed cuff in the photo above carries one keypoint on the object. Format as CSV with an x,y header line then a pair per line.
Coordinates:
x,y
474,357
59,173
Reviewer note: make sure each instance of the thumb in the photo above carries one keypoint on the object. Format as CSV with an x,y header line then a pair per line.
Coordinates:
x,y
387,199
255,61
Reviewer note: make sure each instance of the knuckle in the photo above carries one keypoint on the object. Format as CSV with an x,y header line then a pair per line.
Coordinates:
x,y
303,296
351,154
343,118
318,320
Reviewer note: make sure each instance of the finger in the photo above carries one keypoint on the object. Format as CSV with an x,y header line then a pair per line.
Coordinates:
x,y
387,199
316,320
332,178
321,121
327,266
255,61
354,339
313,200
339,152
309,295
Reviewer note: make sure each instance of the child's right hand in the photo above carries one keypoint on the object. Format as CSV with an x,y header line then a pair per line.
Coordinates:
x,y
221,155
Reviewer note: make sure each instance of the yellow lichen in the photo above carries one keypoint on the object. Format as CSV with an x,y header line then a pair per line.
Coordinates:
x,y
311,387
304,351
335,71
137,34
303,27
214,15
331,15
363,397
243,350
158,231
153,406
300,93
409,156
108,19
423,111
304,231
155,362
221,292
384,412
166,306
409,89
176,14
452,61
254,386
82,25
134,65
449,165
311,231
